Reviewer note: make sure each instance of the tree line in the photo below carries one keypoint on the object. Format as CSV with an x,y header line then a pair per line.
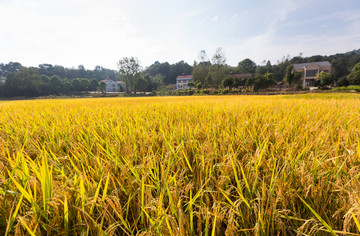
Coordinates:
x,y
47,79
213,72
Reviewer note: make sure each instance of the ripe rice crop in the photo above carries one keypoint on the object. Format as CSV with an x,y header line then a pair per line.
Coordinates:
x,y
211,165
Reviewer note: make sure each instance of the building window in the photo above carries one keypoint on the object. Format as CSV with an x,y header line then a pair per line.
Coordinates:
x,y
310,73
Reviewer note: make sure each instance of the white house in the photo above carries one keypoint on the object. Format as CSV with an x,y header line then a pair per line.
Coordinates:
x,y
310,70
113,86
182,81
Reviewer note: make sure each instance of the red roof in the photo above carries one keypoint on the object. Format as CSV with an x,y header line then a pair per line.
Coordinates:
x,y
184,77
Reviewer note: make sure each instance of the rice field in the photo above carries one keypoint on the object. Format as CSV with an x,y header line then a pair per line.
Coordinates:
x,y
205,165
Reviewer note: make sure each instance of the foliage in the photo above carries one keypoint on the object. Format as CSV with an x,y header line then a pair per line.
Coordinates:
x,y
84,84
169,72
289,75
228,82
351,87
191,85
354,76
263,81
102,86
343,81
24,82
93,85
297,77
162,69
246,66
130,68
199,85
217,70
200,72
219,57
76,85
151,83
325,79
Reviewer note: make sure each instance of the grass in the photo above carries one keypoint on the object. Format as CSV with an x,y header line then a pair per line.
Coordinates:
x,y
350,87
226,165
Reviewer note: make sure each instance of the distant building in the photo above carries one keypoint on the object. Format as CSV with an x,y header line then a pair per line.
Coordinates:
x,y
114,86
310,70
182,81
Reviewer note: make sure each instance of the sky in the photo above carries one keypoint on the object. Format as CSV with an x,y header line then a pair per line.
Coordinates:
x,y
93,32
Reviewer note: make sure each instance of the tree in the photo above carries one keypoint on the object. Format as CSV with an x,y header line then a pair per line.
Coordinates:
x,y
263,81
67,86
342,82
160,68
25,82
82,72
249,81
202,56
130,69
291,76
263,69
297,77
2,90
228,82
11,67
84,84
55,85
154,82
219,57
217,69
200,72
102,86
199,85
247,66
340,67
93,84
269,79
45,79
142,84
324,78
75,83
354,76
44,85
259,82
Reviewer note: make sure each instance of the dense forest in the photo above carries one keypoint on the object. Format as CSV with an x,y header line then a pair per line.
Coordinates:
x,y
46,79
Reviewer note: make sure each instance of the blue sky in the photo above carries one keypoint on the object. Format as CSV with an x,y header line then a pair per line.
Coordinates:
x,y
92,32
